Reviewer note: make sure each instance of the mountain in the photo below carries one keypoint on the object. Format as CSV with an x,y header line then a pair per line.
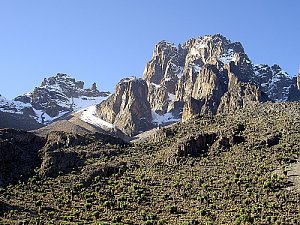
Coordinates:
x,y
15,114
236,168
55,98
205,75
275,82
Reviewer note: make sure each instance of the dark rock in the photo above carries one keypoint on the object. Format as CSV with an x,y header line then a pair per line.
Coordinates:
x,y
59,162
274,82
272,139
194,145
59,158
18,154
18,121
101,170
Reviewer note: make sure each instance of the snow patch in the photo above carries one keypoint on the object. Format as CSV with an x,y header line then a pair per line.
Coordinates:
x,y
227,57
194,52
201,45
85,102
155,85
161,119
89,115
128,79
180,72
172,97
197,68
44,118
11,106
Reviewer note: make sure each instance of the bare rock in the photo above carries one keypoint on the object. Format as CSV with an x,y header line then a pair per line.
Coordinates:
x,y
128,108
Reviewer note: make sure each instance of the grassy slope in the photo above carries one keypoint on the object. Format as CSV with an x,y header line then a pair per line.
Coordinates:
x,y
246,184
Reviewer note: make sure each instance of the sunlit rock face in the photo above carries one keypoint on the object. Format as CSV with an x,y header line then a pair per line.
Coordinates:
x,y
128,108
207,75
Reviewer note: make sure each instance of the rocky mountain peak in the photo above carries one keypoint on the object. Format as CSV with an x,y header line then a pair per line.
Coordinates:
x,y
165,55
69,86
274,81
57,96
205,75
60,94
210,49
128,108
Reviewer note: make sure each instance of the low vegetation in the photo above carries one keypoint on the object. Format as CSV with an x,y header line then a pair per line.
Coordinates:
x,y
225,182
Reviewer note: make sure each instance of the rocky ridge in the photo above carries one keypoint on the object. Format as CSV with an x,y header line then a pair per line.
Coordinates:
x,y
22,152
56,97
205,75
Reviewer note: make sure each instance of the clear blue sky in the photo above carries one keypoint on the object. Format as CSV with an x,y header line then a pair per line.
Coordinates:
x,y
106,40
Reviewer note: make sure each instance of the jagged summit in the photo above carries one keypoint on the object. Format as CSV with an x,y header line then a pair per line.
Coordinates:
x,y
69,86
204,75
274,81
57,96
128,79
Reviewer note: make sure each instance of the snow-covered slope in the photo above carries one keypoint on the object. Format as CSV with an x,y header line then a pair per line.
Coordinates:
x,y
274,81
164,119
10,106
55,98
89,115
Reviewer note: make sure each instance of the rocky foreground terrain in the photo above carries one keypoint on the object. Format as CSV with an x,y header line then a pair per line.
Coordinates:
x,y
229,168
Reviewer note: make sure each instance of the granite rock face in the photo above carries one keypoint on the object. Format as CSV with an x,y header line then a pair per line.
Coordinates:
x,y
205,75
128,108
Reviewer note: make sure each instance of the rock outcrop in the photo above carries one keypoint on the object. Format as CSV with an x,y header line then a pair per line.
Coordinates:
x,y
128,108
59,155
23,153
18,154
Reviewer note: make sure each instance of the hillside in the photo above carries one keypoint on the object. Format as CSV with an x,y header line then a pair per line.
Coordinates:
x,y
230,168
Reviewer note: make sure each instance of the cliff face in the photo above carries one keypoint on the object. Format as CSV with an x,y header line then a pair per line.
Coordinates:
x,y
209,72
205,75
128,108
